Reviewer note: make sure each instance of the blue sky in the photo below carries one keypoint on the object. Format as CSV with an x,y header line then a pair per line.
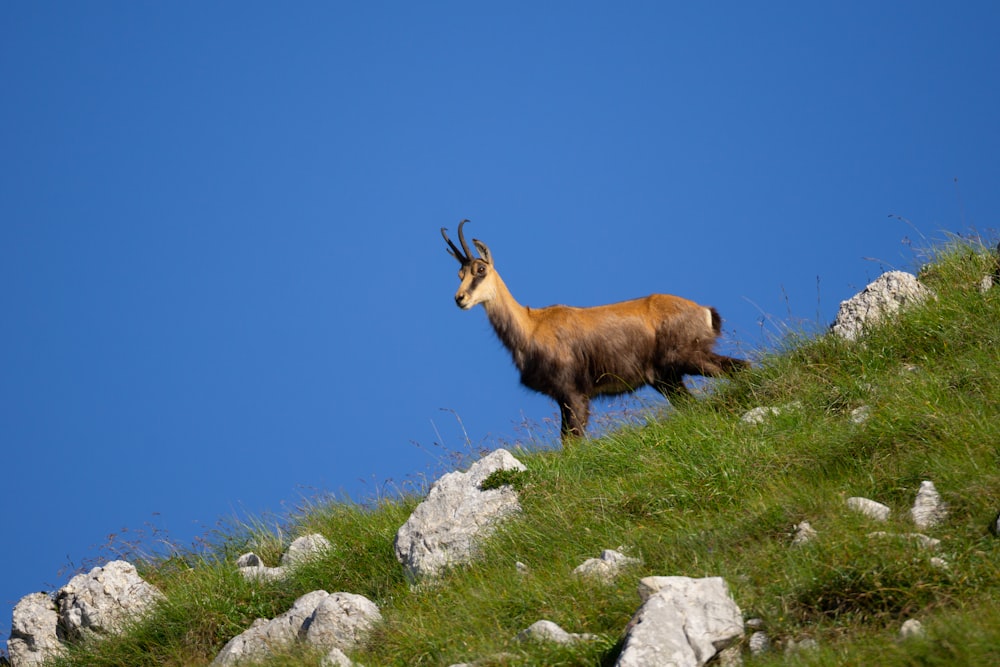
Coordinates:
x,y
224,288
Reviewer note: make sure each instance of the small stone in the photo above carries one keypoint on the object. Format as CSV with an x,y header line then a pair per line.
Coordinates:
x,y
547,631
759,643
804,644
928,509
803,533
607,567
922,540
870,508
912,628
304,549
860,415
758,415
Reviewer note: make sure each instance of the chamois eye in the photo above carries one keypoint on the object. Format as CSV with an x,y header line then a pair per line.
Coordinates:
x,y
480,270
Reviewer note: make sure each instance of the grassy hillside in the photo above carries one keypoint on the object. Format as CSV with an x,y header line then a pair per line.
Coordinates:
x,y
692,492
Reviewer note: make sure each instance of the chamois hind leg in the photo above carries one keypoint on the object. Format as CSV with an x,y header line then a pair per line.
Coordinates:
x,y
710,364
575,411
728,365
671,385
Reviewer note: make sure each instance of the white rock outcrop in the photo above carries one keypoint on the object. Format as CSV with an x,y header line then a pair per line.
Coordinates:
x,y
683,622
34,635
445,529
104,600
881,299
99,602
325,620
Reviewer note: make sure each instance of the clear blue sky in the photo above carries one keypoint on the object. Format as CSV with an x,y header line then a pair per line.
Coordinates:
x,y
223,285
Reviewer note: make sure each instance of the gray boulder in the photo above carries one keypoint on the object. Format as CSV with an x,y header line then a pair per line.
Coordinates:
x,y
881,299
683,622
34,635
327,621
446,527
104,600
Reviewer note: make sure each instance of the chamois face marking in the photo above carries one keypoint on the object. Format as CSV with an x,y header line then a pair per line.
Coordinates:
x,y
574,354
477,284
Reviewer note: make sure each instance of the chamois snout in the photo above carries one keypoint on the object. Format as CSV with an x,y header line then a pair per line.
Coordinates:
x,y
462,300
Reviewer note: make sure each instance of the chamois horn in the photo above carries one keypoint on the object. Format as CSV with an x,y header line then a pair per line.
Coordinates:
x,y
455,252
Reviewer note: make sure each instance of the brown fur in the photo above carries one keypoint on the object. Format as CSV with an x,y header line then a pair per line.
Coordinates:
x,y
573,354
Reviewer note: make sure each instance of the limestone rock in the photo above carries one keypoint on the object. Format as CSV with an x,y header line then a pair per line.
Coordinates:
x,y
860,414
103,600
761,414
760,643
683,622
798,646
920,539
879,300
804,532
928,508
547,631
445,528
911,628
336,658
607,567
340,621
304,549
300,551
870,508
252,567
34,635
328,621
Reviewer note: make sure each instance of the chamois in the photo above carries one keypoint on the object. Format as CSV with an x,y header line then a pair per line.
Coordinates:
x,y
573,354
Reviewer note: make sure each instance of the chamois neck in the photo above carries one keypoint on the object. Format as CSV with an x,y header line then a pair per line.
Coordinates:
x,y
510,319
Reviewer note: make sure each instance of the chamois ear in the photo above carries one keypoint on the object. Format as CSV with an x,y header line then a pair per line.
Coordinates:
x,y
484,252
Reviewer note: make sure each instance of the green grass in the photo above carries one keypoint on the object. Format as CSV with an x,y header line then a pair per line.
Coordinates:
x,y
692,492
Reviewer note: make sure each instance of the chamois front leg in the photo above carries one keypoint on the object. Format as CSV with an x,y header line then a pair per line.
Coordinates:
x,y
575,411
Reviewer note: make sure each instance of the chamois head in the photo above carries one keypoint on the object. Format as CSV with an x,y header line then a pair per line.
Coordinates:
x,y
477,273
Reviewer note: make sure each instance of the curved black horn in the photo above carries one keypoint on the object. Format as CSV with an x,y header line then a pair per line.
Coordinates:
x,y
454,251
461,238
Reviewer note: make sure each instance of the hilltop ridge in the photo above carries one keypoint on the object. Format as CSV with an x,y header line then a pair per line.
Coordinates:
x,y
698,491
